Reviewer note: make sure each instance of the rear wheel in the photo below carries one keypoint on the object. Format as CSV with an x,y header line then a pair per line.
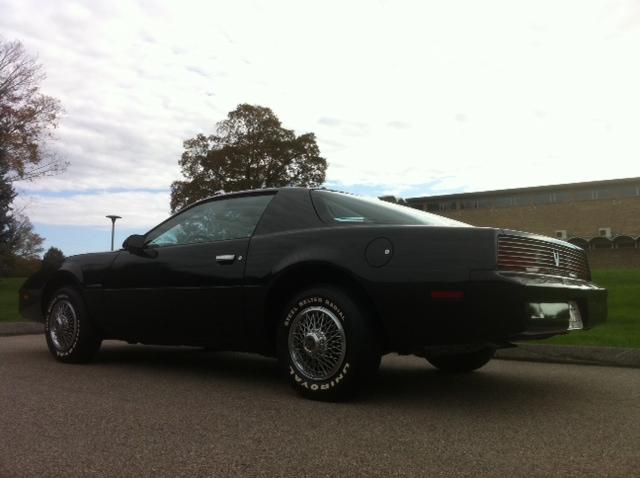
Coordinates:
x,y
462,362
325,345
70,335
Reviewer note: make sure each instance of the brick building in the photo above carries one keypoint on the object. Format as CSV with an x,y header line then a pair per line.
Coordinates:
x,y
600,216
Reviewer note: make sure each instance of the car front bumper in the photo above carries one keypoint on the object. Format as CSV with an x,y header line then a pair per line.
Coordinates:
x,y
30,304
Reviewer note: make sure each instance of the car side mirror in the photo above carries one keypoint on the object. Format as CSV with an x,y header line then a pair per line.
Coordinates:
x,y
134,243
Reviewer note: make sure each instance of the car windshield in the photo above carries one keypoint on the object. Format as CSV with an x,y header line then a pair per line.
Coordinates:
x,y
349,209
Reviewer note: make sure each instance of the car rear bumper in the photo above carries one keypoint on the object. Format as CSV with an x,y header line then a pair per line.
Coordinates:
x,y
493,307
502,301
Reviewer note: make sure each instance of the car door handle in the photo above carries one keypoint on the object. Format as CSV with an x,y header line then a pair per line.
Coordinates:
x,y
225,258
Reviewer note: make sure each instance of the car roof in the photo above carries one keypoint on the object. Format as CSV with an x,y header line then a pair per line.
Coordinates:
x,y
252,192
249,192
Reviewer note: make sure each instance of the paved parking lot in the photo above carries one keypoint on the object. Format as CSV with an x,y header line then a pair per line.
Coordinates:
x,y
159,411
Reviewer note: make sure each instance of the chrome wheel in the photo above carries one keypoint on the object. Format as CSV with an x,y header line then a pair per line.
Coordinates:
x,y
317,343
63,325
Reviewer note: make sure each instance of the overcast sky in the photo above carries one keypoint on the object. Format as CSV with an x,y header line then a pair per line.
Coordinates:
x,y
411,98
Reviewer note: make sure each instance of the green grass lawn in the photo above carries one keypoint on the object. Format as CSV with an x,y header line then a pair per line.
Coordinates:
x,y
622,328
9,299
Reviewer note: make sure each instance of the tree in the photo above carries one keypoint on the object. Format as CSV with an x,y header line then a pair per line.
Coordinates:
x,y
249,149
7,194
53,256
27,117
393,199
23,241
20,246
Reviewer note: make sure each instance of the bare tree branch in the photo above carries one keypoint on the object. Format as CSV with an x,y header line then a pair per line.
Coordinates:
x,y
27,117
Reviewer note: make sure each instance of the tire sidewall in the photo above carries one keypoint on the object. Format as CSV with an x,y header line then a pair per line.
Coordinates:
x,y
70,296
343,380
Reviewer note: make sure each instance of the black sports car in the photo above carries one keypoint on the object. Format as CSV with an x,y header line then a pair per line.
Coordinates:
x,y
325,281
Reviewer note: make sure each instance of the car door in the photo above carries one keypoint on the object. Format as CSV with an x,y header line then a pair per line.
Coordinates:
x,y
185,286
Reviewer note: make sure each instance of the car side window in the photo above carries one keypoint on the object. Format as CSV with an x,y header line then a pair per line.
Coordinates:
x,y
216,220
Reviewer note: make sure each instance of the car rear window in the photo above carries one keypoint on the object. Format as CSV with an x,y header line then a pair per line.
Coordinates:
x,y
341,208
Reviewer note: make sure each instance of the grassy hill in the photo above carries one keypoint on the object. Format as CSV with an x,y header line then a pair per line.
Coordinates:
x,y
9,299
623,324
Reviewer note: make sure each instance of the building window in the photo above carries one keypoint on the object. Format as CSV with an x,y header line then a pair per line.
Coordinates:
x,y
605,194
624,242
626,191
484,203
560,196
541,198
601,243
583,195
520,200
580,242
503,201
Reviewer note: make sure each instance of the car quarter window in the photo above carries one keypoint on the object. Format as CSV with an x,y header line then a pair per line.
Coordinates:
x,y
216,220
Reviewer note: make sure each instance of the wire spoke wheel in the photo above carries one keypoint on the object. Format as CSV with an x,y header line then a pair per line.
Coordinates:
x,y
317,343
63,325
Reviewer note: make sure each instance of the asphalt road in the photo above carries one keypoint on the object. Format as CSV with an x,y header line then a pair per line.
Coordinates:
x,y
160,411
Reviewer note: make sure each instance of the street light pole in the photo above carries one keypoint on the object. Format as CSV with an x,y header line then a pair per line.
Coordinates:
x,y
113,226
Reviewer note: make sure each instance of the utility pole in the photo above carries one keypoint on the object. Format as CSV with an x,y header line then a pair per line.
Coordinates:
x,y
113,227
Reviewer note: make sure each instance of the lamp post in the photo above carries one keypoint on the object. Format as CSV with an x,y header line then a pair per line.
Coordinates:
x,y
113,226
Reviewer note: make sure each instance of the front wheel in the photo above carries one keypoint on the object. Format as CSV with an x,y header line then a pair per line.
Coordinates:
x,y
462,362
326,346
70,334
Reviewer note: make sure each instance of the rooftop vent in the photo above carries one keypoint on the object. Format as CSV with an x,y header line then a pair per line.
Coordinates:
x,y
605,232
561,234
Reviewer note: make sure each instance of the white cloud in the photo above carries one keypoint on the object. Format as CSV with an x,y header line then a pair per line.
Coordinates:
x,y
461,95
138,209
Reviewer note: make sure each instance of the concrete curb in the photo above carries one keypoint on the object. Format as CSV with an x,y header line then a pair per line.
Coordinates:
x,y
20,328
607,356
